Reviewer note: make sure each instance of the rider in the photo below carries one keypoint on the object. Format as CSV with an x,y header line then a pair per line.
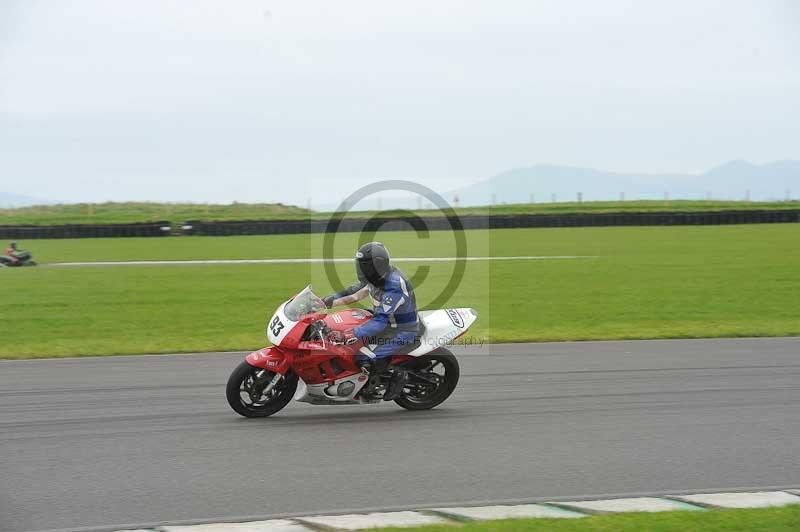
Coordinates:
x,y
11,251
394,323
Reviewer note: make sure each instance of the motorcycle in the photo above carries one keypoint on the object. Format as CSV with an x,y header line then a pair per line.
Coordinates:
x,y
303,363
23,258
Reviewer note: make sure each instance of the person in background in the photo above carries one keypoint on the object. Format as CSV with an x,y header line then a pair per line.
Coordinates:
x,y
11,251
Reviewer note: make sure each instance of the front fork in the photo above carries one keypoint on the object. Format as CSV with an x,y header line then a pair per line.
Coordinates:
x,y
275,380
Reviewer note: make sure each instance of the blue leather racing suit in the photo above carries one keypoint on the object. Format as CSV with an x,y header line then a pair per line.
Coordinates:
x,y
395,322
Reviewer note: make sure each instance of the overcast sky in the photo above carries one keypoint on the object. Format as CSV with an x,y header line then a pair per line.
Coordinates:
x,y
255,100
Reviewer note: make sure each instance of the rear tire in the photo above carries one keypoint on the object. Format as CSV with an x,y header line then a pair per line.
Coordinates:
x,y
448,380
245,378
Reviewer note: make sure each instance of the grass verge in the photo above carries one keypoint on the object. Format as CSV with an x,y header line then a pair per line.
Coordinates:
x,y
644,282
783,519
101,213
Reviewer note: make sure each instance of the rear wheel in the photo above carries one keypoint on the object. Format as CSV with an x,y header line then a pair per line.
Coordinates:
x,y
252,393
431,380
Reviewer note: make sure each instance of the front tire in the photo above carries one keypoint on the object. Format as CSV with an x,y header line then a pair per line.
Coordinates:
x,y
440,366
245,391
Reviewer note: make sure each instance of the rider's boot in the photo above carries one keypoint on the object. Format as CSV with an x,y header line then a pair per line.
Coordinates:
x,y
398,377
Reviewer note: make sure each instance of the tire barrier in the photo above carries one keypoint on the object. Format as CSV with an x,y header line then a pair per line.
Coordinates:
x,y
30,232
434,223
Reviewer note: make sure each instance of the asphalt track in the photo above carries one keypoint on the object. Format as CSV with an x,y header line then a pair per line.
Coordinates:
x,y
119,441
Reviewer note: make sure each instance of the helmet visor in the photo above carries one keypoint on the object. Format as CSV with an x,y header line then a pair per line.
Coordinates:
x,y
366,270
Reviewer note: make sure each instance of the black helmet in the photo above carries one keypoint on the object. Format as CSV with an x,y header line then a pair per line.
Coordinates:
x,y
372,263
12,244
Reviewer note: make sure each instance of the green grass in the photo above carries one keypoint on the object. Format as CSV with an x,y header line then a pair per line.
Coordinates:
x,y
645,282
101,213
750,520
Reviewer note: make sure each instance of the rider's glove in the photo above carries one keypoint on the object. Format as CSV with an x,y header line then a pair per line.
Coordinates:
x,y
328,300
342,338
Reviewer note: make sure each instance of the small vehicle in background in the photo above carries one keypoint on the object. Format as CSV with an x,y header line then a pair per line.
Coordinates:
x,y
14,257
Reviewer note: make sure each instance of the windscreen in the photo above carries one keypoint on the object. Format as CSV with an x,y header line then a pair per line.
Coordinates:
x,y
304,303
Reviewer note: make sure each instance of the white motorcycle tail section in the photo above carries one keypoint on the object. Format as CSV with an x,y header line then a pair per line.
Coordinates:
x,y
442,327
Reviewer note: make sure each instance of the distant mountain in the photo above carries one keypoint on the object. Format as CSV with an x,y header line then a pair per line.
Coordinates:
x,y
766,181
731,180
15,200
544,181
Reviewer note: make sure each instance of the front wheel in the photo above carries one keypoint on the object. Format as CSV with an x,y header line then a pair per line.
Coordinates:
x,y
251,392
431,380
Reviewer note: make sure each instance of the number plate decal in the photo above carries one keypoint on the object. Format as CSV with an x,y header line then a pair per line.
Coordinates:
x,y
276,326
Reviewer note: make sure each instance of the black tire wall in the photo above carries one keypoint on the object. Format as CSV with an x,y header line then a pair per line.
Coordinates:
x,y
284,227
432,223
31,232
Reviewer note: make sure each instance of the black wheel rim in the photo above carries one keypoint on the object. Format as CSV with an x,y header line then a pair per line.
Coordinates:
x,y
427,382
252,389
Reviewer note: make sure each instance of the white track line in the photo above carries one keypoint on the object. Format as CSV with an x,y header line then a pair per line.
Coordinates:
x,y
306,261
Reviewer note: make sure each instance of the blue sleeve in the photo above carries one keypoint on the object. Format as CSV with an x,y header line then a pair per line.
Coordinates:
x,y
350,290
373,327
392,299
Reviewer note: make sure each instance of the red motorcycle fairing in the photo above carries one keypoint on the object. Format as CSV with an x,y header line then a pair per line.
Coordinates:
x,y
313,364
316,366
270,358
347,319
294,338
317,361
